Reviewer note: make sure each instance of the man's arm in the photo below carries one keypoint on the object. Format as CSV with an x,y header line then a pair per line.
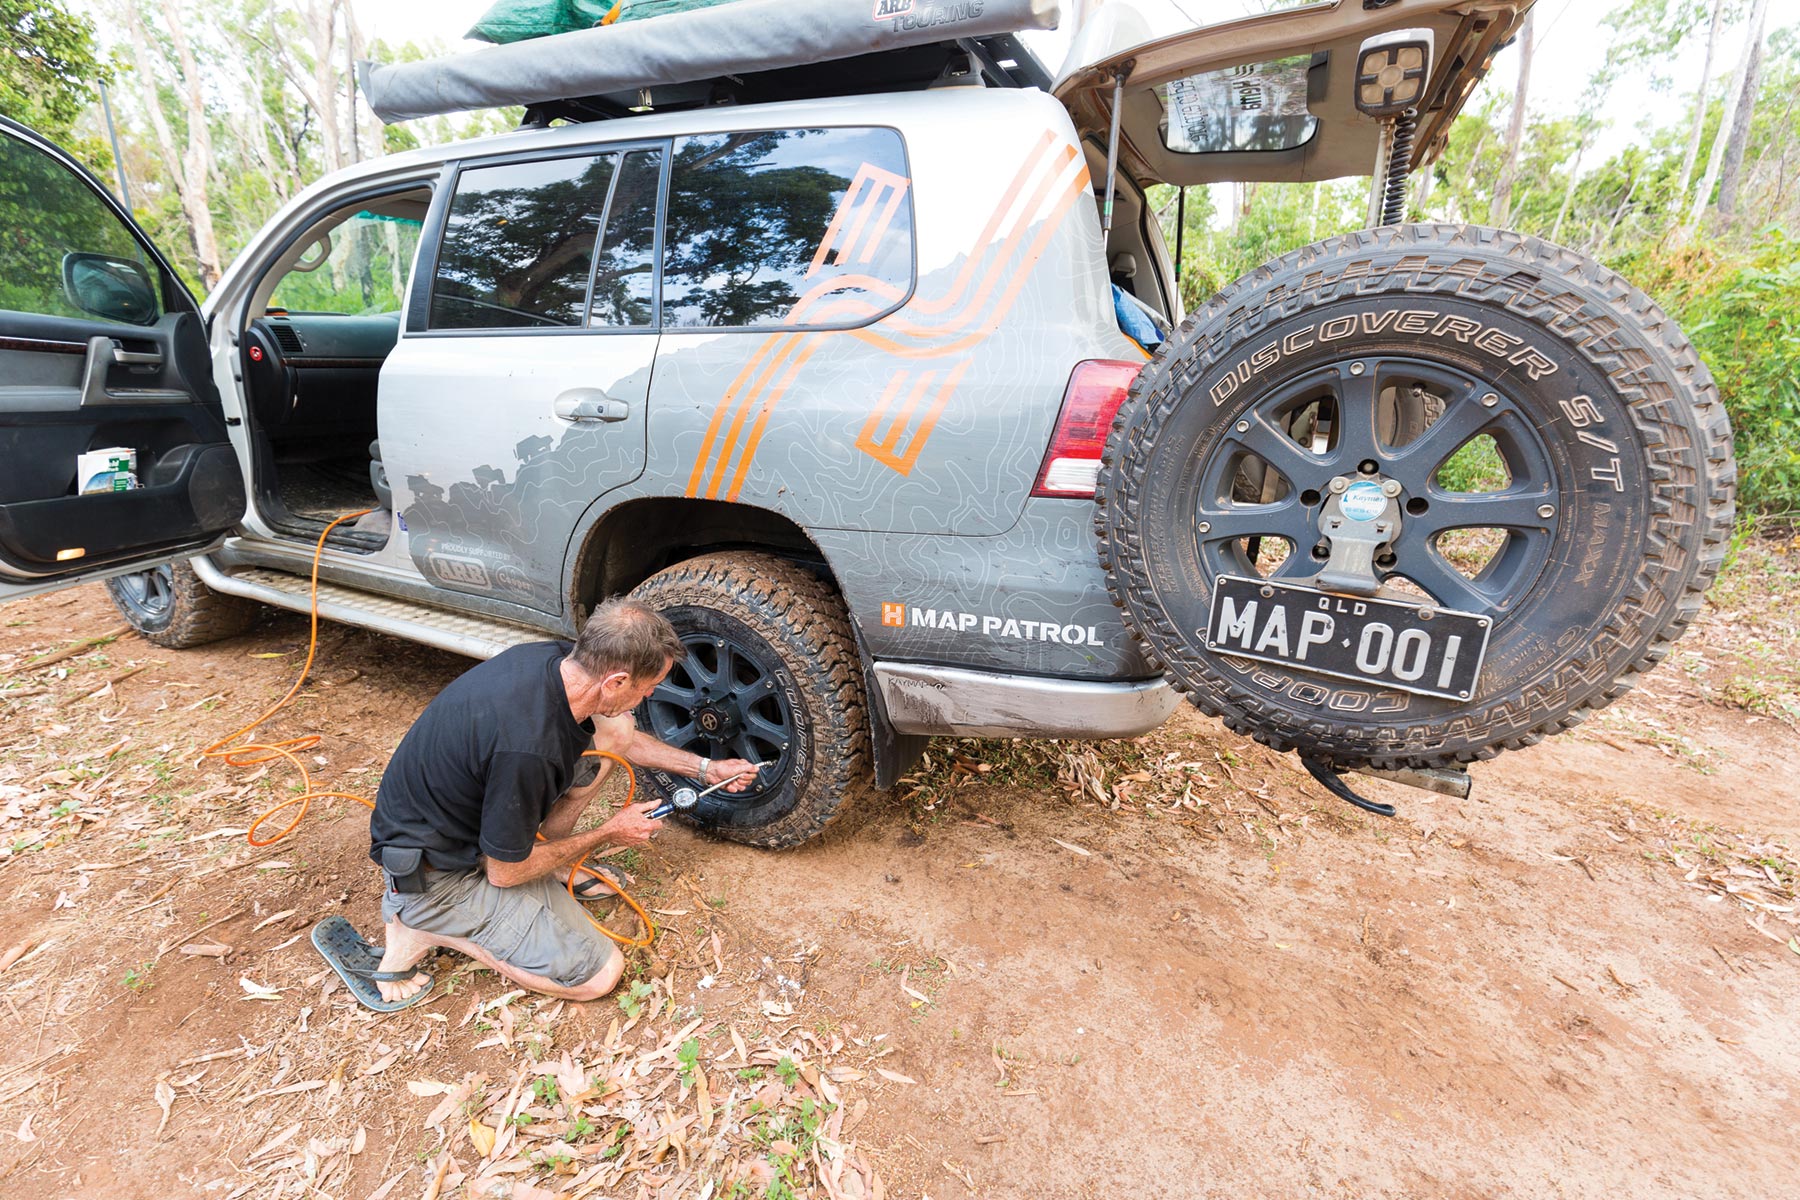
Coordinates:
x,y
630,826
563,815
646,751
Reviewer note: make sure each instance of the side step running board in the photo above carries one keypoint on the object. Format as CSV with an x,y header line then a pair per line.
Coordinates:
x,y
477,637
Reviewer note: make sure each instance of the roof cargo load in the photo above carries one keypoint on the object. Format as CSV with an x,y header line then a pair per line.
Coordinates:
x,y
683,47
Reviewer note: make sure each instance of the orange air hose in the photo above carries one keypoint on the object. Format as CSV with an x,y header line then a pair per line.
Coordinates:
x,y
249,754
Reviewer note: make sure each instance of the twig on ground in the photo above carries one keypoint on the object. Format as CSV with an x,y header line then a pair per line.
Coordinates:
x,y
168,946
70,651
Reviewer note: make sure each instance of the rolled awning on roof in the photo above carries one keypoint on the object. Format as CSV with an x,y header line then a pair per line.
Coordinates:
x,y
732,39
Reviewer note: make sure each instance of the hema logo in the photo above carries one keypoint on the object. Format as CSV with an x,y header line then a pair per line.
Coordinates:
x,y
891,8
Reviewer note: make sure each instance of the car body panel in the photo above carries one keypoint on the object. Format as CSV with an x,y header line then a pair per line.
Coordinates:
x,y
490,489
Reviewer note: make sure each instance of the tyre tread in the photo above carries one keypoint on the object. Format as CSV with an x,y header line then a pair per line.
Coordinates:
x,y
1176,366
802,611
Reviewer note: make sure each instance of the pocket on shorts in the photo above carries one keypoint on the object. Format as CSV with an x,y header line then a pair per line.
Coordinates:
x,y
563,947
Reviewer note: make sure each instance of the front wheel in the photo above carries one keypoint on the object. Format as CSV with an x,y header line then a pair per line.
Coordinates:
x,y
771,676
1383,438
171,607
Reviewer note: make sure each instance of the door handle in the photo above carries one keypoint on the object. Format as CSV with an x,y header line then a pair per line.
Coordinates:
x,y
102,355
589,404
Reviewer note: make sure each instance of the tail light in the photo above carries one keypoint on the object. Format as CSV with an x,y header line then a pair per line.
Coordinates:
x,y
1072,464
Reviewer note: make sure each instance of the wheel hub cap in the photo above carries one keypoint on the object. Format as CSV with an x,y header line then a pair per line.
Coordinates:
x,y
1334,469
1360,517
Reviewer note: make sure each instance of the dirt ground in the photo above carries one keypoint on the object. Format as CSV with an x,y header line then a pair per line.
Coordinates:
x,y
1169,967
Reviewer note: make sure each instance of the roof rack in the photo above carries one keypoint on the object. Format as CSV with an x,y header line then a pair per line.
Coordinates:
x,y
999,61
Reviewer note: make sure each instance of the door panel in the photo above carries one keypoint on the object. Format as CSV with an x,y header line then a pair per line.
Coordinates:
x,y
523,398
100,348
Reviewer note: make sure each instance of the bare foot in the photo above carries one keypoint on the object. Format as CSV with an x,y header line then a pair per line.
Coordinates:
x,y
404,949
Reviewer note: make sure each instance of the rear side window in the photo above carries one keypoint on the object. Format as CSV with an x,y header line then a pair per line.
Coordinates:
x,y
791,227
518,247
624,290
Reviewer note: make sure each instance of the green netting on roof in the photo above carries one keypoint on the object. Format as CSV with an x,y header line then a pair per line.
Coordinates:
x,y
517,20
639,10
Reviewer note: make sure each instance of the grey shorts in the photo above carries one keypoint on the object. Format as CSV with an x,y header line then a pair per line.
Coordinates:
x,y
536,927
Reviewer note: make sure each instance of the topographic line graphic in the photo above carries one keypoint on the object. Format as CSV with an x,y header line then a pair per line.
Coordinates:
x,y
1040,195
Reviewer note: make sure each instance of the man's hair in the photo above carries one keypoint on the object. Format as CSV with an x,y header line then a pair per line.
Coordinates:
x,y
626,635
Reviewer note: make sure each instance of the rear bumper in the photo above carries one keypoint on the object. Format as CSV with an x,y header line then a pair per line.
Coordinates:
x,y
949,701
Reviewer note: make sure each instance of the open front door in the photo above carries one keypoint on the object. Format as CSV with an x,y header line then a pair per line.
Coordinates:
x,y
101,350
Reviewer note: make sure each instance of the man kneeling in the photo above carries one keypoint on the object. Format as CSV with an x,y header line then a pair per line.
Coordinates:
x,y
485,770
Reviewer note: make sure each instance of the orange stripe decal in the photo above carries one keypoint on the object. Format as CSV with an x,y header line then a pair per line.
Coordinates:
x,y
857,229
762,417
887,449
784,343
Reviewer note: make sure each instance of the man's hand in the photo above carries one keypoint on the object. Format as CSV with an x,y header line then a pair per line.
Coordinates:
x,y
631,825
726,768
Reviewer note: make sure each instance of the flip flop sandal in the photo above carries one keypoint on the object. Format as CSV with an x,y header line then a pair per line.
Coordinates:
x,y
358,964
589,888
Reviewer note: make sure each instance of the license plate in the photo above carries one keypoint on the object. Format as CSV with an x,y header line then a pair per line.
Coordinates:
x,y
1413,647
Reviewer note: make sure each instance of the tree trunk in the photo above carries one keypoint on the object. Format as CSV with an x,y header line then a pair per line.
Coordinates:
x,y
320,17
1727,120
1733,170
190,172
1562,212
1598,247
198,163
1501,210
1693,144
353,50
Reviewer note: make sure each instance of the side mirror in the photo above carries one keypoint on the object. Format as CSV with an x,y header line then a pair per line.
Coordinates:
x,y
107,286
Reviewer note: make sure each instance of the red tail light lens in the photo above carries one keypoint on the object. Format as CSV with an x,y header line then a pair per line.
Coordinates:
x,y
1072,464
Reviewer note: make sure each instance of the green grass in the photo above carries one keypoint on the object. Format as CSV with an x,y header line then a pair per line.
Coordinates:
x,y
1476,467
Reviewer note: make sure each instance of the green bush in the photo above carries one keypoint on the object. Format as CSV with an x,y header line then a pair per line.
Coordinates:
x,y
1741,307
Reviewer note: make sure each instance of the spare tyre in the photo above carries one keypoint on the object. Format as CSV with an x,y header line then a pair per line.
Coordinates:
x,y
1405,425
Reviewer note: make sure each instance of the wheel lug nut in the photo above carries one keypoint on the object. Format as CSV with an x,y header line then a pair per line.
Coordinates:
x,y
1546,511
1338,485
1390,487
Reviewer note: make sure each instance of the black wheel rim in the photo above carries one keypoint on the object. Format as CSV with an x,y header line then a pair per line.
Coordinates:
x,y
147,595
725,701
1328,423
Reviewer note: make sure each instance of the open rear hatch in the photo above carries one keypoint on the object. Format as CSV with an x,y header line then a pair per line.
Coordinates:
x,y
1269,97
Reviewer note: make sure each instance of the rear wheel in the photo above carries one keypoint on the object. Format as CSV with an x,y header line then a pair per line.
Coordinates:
x,y
171,607
771,676
1449,417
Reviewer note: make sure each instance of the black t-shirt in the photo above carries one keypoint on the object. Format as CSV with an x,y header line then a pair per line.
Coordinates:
x,y
480,768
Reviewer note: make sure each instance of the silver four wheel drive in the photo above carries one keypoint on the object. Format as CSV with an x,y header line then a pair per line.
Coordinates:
x,y
843,364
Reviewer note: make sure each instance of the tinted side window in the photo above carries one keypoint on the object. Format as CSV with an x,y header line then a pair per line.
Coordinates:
x,y
786,227
519,244
625,269
47,214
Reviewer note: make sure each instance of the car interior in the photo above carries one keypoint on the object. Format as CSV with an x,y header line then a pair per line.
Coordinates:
x,y
330,306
